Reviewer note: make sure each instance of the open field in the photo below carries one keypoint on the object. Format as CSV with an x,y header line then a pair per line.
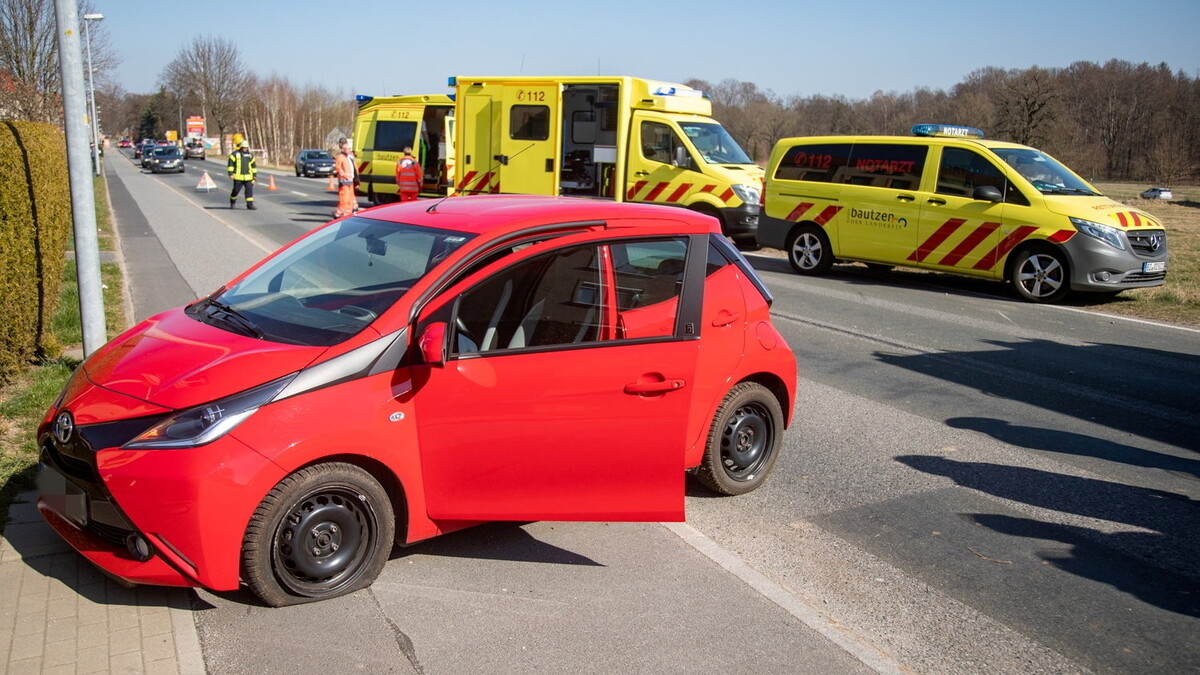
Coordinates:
x,y
1178,300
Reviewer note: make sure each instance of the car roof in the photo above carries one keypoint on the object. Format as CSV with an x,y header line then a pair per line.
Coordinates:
x,y
488,214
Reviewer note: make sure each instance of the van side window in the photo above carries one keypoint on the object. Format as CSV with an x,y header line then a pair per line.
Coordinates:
x,y
529,123
819,163
887,165
659,142
963,170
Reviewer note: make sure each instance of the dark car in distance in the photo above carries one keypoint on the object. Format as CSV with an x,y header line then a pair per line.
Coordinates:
x,y
167,159
314,163
146,152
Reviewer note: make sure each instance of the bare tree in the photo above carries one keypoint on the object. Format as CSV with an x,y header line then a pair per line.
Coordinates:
x,y
29,58
210,69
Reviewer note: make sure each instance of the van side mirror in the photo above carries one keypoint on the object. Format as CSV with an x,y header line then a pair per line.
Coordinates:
x,y
432,344
682,159
987,193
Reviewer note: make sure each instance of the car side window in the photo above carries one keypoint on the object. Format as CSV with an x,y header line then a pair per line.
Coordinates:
x,y
578,295
962,170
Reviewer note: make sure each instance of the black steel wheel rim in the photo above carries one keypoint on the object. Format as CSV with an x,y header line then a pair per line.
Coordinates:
x,y
323,541
746,441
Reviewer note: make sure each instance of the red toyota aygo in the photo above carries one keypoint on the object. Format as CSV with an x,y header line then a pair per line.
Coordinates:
x,y
412,370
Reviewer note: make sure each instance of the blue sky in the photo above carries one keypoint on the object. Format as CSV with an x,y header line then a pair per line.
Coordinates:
x,y
790,48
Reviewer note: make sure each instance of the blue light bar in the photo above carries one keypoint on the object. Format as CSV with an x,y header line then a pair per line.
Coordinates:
x,y
362,98
951,130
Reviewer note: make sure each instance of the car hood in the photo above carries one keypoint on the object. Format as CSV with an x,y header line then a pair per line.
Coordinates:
x,y
1102,210
174,361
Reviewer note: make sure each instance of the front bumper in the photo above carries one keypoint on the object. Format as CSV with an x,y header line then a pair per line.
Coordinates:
x,y
190,505
740,222
1096,266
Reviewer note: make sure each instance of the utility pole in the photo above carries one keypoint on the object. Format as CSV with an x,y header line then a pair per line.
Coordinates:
x,y
83,200
87,33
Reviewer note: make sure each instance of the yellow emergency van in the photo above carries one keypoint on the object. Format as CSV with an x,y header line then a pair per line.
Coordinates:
x,y
619,138
948,200
385,125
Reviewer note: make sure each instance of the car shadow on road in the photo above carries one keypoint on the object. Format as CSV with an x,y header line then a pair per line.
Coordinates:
x,y
1156,563
496,541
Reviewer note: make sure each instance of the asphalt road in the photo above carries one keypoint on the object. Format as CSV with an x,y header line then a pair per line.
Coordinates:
x,y
974,484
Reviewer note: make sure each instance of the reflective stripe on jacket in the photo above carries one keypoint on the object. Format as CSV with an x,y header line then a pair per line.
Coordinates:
x,y
409,178
241,166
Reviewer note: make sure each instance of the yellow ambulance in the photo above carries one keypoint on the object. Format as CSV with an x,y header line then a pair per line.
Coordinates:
x,y
948,200
619,138
385,125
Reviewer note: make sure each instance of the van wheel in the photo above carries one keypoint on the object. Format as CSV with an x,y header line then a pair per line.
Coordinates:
x,y
322,532
744,441
809,251
1040,274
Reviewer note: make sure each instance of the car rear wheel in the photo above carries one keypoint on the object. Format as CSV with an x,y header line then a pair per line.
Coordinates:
x,y
744,440
1040,274
809,251
322,532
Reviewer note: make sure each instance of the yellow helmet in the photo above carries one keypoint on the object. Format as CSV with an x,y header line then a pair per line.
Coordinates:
x,y
244,144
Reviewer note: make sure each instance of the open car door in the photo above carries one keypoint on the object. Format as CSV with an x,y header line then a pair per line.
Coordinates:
x,y
543,406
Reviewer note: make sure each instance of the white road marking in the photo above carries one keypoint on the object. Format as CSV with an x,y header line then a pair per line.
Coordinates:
x,y
302,194
867,655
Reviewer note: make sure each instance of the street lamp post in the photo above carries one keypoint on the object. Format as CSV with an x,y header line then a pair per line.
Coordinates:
x,y
87,21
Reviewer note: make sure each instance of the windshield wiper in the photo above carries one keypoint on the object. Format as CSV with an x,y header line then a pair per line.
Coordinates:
x,y
219,311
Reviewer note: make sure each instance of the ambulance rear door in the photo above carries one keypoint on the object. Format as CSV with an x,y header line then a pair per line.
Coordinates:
x,y
477,119
529,138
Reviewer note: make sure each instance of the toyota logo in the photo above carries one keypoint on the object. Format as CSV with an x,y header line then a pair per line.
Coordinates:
x,y
64,425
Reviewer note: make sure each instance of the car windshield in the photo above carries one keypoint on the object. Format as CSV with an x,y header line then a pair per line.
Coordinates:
x,y
331,284
167,152
715,144
1044,172
318,154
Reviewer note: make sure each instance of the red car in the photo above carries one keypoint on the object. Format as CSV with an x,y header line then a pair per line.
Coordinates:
x,y
412,370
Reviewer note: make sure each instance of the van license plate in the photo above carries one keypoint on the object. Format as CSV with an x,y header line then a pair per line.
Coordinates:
x,y
1160,266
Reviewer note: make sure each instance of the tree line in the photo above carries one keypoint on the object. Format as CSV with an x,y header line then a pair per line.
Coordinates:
x,y
1111,121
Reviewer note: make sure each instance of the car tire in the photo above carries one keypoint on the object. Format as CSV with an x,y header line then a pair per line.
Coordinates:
x,y
344,521
1040,274
744,441
297,173
809,252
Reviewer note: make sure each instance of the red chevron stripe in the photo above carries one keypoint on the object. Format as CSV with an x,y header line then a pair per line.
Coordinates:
x,y
633,191
929,245
679,193
656,192
1006,244
726,195
1137,222
794,216
827,215
967,245
1121,217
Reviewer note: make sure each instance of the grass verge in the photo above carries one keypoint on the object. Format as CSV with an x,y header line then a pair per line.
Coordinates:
x,y
25,399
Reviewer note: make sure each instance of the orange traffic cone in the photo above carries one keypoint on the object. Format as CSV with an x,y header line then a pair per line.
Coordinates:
x,y
206,183
332,183
271,185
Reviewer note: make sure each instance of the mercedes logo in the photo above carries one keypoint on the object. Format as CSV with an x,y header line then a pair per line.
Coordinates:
x,y
1156,241
64,425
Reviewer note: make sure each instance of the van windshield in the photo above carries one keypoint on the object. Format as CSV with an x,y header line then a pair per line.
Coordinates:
x,y
331,284
714,144
1044,172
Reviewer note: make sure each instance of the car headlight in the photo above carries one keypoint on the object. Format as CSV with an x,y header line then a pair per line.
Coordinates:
x,y
206,423
1105,233
746,193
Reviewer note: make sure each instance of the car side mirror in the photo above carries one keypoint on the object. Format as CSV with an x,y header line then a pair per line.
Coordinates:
x,y
987,193
432,344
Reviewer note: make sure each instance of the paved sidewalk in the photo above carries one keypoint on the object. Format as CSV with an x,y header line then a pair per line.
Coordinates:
x,y
59,614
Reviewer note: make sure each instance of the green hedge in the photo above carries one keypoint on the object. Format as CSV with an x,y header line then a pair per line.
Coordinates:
x,y
35,204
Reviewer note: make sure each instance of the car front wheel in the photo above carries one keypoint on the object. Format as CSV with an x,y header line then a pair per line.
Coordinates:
x,y
744,440
809,251
1040,274
322,532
